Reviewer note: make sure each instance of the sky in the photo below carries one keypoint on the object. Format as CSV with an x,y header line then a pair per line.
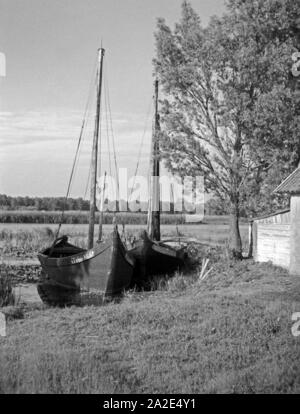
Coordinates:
x,y
50,49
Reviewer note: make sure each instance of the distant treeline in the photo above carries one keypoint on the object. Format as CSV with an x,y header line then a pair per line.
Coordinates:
x,y
57,204
43,203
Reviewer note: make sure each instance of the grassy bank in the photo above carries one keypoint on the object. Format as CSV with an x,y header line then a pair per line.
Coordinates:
x,y
228,333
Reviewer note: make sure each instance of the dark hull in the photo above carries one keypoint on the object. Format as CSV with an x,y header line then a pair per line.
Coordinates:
x,y
107,268
154,258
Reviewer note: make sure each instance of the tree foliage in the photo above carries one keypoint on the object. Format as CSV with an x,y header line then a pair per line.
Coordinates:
x,y
230,111
42,203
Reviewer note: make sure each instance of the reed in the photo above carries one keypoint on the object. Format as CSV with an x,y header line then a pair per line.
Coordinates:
x,y
7,296
81,217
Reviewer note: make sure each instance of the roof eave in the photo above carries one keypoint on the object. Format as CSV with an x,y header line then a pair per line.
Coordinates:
x,y
287,210
278,189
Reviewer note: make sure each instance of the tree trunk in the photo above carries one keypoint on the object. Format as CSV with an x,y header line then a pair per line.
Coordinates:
x,y
235,241
250,236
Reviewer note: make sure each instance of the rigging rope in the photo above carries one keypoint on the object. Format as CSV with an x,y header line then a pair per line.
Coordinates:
x,y
112,135
141,147
108,143
88,182
86,125
76,154
107,135
99,166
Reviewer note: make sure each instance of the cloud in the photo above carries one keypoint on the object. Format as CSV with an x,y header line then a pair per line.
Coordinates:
x,y
41,146
28,127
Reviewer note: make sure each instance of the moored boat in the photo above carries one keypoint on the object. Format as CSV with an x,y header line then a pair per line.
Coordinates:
x,y
107,266
69,270
153,256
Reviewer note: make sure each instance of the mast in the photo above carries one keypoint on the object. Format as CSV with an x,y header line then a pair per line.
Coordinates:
x,y
95,152
101,209
154,201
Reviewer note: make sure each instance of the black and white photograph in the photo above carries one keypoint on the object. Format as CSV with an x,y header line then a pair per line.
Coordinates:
x,y
149,199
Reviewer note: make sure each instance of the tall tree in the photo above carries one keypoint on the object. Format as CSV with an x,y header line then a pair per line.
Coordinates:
x,y
215,80
268,35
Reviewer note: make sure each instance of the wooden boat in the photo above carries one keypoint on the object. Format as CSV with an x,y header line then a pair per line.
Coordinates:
x,y
68,270
153,256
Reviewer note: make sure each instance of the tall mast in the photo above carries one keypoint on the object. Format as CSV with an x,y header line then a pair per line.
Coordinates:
x,y
101,209
95,152
154,201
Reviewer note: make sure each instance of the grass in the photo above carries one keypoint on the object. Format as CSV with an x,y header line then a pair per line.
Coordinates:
x,y
25,240
228,333
80,217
